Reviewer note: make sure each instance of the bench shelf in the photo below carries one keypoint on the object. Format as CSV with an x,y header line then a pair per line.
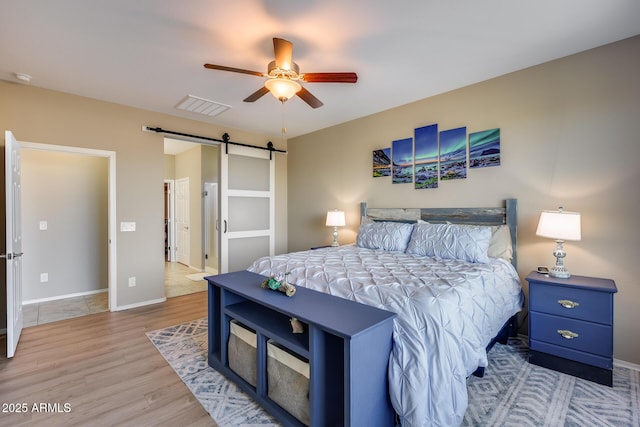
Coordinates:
x,y
347,345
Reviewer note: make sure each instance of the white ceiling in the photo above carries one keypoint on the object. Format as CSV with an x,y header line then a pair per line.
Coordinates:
x,y
150,53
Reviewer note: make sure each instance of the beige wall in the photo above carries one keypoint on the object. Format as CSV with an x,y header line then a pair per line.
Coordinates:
x,y
49,117
70,192
169,166
570,134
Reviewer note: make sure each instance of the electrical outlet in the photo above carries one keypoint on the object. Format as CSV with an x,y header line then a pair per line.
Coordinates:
x,y
44,277
132,282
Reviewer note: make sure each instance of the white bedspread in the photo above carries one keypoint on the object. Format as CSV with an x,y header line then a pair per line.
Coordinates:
x,y
448,311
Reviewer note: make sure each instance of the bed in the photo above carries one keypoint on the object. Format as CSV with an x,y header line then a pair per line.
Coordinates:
x,y
450,276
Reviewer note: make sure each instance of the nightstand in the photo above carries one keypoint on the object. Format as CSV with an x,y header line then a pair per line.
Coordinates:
x,y
571,325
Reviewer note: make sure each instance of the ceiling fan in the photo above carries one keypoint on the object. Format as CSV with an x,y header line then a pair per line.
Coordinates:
x,y
283,76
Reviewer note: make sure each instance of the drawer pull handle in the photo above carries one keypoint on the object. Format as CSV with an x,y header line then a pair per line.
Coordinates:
x,y
567,334
568,303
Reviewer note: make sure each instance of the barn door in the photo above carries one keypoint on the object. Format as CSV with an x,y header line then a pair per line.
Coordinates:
x,y
247,217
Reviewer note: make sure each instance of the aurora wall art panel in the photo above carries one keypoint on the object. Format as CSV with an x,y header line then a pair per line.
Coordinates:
x,y
426,156
402,160
484,148
382,162
453,154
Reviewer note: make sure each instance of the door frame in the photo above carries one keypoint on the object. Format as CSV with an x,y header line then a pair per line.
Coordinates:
x,y
112,252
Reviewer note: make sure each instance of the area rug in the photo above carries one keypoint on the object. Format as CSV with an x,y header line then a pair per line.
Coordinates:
x,y
184,347
512,392
515,393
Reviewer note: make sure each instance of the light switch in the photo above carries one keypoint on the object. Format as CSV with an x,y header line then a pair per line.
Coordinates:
x,y
43,225
127,226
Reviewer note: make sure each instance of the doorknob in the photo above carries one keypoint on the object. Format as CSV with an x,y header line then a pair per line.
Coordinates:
x,y
11,255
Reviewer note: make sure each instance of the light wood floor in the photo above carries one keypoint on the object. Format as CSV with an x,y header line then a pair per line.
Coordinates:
x,y
104,367
176,283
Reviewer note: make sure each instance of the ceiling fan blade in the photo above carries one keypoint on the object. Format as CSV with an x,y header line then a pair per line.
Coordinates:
x,y
330,77
283,51
307,97
233,70
256,95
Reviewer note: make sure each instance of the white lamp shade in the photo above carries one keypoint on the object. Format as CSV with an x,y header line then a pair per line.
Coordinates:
x,y
559,225
335,219
282,88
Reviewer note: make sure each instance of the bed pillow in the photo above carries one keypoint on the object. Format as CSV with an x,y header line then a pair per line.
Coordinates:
x,y
450,241
500,245
389,236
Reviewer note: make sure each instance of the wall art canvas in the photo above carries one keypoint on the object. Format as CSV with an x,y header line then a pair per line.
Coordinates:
x,y
484,148
382,162
426,156
402,156
453,154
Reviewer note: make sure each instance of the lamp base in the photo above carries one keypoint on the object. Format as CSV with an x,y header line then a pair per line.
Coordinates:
x,y
560,273
335,237
559,269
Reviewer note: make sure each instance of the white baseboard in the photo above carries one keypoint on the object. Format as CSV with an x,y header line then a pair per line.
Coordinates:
x,y
58,297
139,304
628,365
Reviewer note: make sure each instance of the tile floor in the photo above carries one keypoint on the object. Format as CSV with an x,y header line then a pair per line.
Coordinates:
x,y
52,311
176,283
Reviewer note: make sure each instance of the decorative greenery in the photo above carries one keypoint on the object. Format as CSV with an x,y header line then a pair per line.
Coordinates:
x,y
277,282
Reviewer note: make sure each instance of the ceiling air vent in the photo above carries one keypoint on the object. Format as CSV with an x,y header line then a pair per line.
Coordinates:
x,y
201,106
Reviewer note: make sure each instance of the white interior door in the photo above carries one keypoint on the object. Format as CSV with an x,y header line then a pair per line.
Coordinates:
x,y
247,206
13,255
183,240
210,227
170,217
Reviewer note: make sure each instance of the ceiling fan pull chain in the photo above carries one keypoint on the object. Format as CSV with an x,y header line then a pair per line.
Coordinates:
x,y
284,129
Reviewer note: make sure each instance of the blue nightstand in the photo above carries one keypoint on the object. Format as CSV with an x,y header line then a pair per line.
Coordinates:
x,y
571,325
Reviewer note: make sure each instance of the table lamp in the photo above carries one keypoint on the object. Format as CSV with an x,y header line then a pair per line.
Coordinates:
x,y
335,219
561,226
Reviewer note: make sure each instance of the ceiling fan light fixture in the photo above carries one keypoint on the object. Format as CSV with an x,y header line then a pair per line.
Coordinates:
x,y
283,89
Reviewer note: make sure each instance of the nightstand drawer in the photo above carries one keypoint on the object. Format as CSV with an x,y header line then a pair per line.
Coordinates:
x,y
572,302
572,355
589,337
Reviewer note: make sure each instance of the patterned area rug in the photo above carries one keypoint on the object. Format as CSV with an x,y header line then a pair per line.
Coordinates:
x,y
184,347
516,393
512,392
